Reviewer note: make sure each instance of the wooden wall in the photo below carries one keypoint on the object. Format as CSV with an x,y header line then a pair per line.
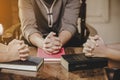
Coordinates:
x,y
5,13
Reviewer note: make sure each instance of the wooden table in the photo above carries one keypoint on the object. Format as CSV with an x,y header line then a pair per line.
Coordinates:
x,y
54,71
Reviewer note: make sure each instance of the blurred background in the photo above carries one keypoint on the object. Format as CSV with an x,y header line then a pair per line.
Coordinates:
x,y
8,13
104,16
10,20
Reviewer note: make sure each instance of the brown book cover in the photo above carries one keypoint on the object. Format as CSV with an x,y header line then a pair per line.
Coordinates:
x,y
73,62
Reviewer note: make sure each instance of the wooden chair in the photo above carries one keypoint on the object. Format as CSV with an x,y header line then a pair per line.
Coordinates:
x,y
11,33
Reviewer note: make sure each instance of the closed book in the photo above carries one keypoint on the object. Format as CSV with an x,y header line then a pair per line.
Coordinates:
x,y
31,64
50,57
19,72
73,62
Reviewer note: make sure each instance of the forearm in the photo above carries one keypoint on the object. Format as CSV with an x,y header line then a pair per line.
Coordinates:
x,y
69,20
65,36
6,57
113,54
37,40
3,56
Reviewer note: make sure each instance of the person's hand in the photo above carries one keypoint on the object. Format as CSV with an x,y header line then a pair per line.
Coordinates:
x,y
95,47
23,52
17,50
90,45
52,44
56,45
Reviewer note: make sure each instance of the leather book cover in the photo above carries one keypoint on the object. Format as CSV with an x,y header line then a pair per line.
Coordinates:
x,y
74,62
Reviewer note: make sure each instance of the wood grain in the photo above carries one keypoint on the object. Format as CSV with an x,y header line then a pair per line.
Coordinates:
x,y
54,71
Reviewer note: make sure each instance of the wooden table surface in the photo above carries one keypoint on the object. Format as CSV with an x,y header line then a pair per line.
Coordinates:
x,y
54,71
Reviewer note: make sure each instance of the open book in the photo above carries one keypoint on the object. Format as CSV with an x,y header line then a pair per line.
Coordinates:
x,y
32,64
49,57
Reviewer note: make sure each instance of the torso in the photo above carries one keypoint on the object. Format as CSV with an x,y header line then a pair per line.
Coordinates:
x,y
41,12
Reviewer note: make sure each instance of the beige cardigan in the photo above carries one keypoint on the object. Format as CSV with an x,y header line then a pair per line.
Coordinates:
x,y
34,16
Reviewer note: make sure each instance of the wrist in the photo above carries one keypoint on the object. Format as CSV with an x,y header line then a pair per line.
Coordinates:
x,y
37,40
40,43
65,36
106,50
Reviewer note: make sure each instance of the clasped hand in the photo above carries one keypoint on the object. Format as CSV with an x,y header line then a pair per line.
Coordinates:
x,y
94,47
17,50
52,44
